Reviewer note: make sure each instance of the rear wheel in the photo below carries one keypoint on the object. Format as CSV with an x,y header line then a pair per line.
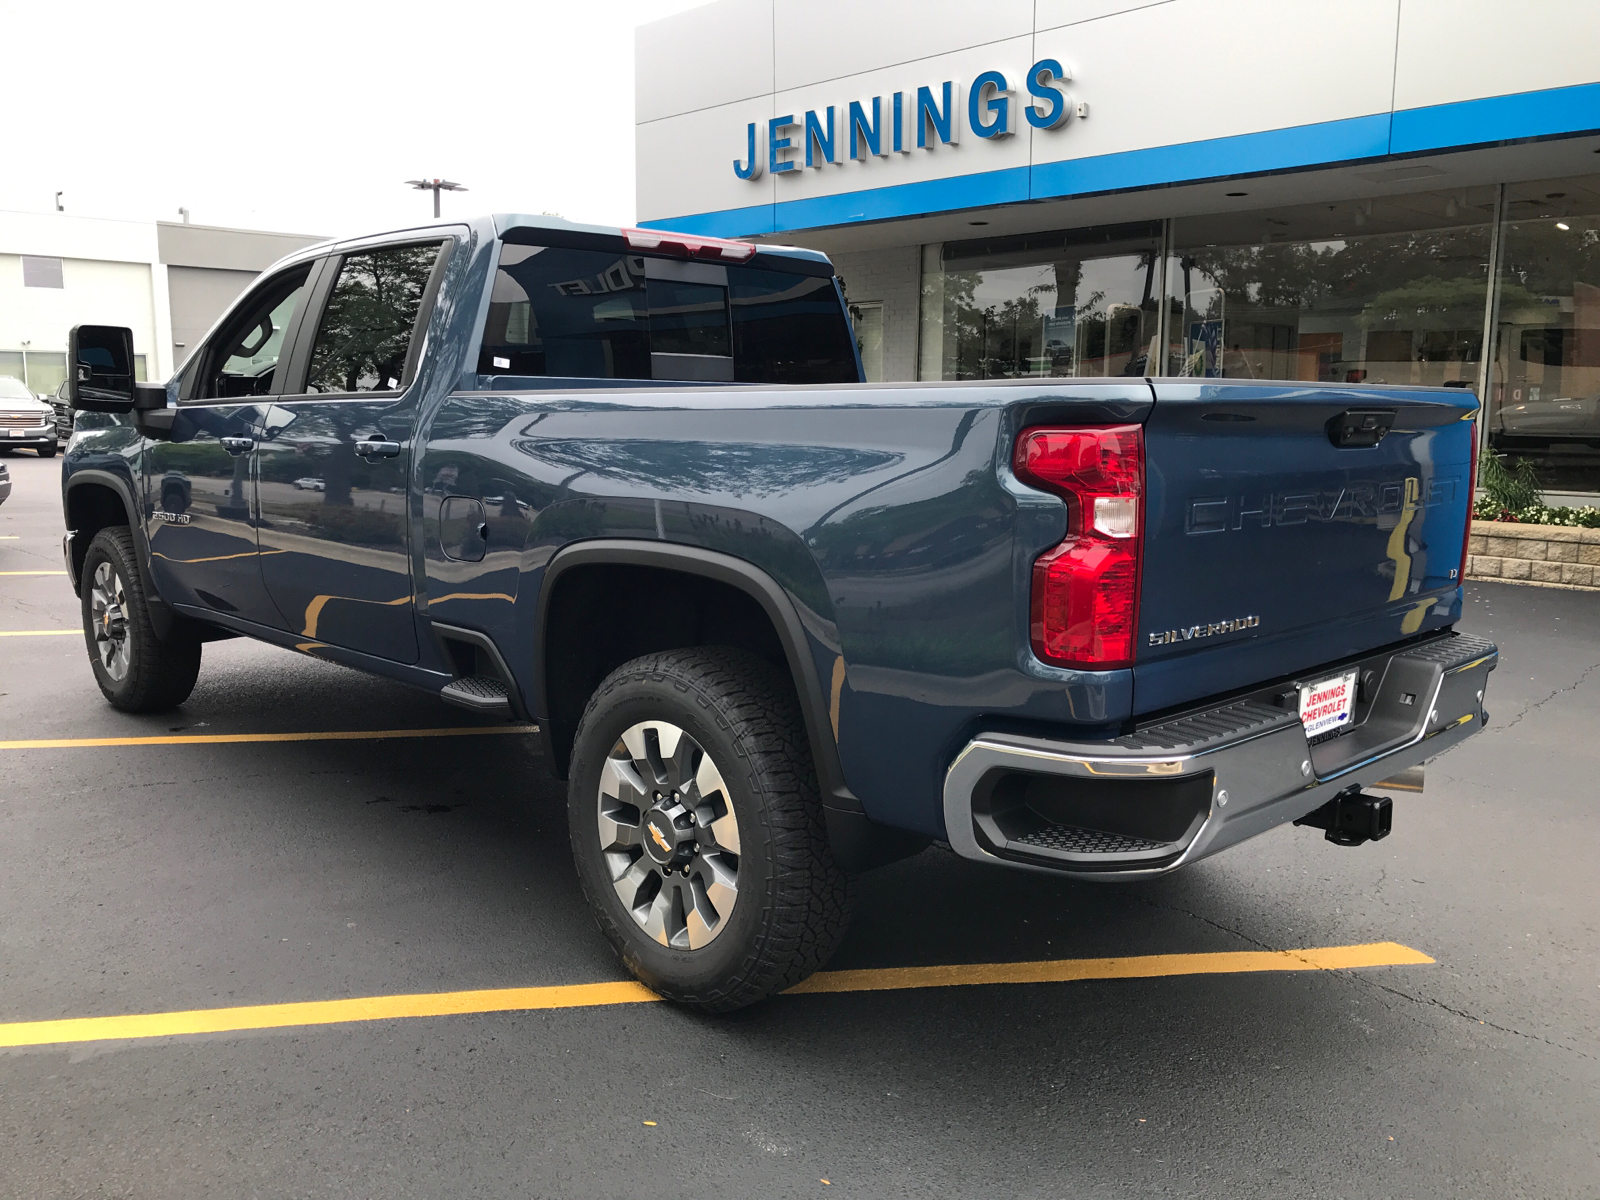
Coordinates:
x,y
698,830
46,451
136,670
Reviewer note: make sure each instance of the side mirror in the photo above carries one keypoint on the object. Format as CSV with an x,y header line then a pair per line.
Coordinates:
x,y
100,375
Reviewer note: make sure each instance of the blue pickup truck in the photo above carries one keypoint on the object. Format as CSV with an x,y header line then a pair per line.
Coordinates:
x,y
777,625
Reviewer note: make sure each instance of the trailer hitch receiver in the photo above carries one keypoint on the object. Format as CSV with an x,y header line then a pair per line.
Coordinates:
x,y
1352,817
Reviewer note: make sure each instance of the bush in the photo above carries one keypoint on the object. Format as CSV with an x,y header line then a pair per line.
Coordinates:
x,y
1516,496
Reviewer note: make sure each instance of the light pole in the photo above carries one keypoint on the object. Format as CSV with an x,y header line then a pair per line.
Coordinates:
x,y
435,186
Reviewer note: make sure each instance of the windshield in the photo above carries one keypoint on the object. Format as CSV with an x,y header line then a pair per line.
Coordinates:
x,y
12,388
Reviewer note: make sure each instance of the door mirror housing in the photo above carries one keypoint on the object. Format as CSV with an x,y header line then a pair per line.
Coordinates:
x,y
100,375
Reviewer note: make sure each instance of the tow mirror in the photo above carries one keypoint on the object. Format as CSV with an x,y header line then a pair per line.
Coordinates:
x,y
101,375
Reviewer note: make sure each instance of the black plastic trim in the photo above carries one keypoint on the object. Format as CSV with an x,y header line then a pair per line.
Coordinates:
x,y
736,572
160,612
482,641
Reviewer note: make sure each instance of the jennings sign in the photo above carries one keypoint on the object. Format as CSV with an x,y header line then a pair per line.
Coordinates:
x,y
901,122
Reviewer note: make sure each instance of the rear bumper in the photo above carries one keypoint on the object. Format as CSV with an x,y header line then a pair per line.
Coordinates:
x,y
1173,793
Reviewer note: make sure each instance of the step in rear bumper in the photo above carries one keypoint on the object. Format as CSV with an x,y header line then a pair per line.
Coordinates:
x,y
1241,767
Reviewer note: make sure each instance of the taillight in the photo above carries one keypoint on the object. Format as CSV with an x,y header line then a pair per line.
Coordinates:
x,y
1085,602
687,245
1472,489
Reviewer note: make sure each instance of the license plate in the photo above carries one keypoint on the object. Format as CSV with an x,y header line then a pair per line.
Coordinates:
x,y
1327,704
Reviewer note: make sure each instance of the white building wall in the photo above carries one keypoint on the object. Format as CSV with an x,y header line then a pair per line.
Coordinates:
x,y
892,278
93,292
108,274
1158,74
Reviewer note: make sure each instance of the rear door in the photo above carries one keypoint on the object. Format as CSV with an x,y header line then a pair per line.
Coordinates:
x,y
199,491
1282,531
333,457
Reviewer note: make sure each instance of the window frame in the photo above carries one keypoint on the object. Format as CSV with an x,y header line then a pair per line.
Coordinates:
x,y
322,285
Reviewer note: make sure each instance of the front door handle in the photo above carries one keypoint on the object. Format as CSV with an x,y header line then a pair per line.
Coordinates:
x,y
238,445
371,450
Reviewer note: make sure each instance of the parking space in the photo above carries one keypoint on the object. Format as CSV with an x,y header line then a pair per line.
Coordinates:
x,y
204,874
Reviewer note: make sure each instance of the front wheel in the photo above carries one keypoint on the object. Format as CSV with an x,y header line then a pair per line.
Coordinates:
x,y
698,831
136,670
46,451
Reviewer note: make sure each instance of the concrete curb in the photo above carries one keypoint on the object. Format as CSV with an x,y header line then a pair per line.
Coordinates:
x,y
1545,555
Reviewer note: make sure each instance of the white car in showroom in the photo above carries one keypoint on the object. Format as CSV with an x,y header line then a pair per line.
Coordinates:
x,y
25,420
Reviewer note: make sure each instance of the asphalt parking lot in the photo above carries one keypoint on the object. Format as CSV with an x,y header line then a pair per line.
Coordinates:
x,y
204,874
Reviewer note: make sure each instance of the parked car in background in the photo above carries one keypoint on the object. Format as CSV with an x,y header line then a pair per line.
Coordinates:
x,y
309,483
25,420
63,406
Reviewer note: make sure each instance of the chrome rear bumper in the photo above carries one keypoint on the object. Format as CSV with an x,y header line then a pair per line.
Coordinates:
x,y
1170,794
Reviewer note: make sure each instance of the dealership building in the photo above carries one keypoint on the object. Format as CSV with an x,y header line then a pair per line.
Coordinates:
x,y
1396,191
167,281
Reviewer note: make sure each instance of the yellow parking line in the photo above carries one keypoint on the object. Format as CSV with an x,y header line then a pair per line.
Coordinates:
x,y
197,739
1150,966
590,995
39,632
32,572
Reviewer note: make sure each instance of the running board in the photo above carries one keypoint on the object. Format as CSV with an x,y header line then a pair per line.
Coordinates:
x,y
480,693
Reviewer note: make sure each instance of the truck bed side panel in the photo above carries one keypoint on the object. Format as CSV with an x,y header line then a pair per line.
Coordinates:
x,y
886,513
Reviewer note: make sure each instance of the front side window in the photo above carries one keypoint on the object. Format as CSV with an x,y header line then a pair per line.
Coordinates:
x,y
247,352
364,338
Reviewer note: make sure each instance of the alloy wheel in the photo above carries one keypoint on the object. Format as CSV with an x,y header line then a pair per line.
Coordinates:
x,y
108,608
669,835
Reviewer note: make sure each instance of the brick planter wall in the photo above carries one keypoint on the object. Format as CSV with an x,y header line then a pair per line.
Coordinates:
x,y
1549,555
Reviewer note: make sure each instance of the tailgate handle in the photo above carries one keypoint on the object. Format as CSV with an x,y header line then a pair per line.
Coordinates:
x,y
1356,428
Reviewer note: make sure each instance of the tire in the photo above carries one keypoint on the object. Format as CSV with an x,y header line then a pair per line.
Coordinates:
x,y
137,671
789,904
46,451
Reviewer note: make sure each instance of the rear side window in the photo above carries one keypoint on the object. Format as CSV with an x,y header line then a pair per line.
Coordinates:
x,y
364,337
593,314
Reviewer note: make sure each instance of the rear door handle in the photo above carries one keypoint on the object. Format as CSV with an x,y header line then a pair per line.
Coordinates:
x,y
238,445
370,450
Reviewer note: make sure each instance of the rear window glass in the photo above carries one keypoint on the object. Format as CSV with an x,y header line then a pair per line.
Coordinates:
x,y
789,329
593,314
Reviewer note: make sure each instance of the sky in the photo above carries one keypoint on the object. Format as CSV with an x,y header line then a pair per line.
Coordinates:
x,y
308,117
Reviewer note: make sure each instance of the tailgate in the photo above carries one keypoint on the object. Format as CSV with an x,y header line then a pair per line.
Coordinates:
x,y
1270,549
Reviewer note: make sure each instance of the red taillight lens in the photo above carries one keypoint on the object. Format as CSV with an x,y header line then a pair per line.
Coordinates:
x,y
687,245
1472,489
1085,603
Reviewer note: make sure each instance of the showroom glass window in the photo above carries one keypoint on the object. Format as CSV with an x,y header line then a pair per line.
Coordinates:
x,y
1373,291
1081,303
1544,394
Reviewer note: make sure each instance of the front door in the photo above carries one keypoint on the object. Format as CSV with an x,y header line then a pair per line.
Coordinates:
x,y
332,460
199,491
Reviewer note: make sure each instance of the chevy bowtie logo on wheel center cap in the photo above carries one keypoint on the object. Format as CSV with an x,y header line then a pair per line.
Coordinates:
x,y
660,831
